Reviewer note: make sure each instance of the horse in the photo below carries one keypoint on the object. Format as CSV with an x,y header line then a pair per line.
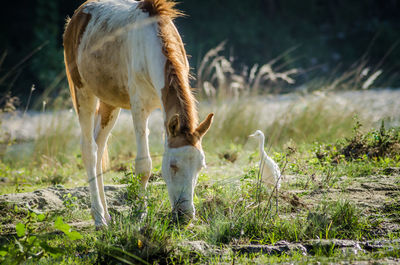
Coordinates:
x,y
128,54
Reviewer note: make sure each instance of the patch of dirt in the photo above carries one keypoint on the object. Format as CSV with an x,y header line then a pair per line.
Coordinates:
x,y
230,156
294,201
308,247
53,199
375,196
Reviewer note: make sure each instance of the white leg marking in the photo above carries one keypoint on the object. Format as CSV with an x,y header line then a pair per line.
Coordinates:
x,y
87,108
101,136
140,116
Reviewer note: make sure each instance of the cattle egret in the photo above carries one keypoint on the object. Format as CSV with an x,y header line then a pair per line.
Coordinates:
x,y
269,170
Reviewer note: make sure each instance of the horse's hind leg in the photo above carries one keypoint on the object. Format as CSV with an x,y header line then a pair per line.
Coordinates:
x,y
86,103
105,120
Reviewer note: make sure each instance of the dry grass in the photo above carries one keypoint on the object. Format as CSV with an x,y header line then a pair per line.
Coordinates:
x,y
302,120
219,80
240,100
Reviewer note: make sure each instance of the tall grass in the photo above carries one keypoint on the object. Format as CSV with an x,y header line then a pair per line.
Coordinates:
x,y
56,137
218,79
242,103
303,120
241,99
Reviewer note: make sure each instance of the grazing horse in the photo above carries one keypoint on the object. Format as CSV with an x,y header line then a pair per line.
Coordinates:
x,y
128,54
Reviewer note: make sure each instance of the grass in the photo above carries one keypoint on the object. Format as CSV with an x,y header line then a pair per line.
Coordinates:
x,y
53,156
233,212
303,120
318,142
231,208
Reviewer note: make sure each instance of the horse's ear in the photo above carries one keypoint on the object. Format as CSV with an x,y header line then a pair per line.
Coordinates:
x,y
173,125
205,125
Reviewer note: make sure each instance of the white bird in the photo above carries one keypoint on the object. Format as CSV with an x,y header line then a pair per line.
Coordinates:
x,y
269,170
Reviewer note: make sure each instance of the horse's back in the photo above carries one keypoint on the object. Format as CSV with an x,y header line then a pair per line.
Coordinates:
x,y
107,41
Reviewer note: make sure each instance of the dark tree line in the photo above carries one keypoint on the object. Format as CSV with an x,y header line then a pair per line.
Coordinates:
x,y
331,33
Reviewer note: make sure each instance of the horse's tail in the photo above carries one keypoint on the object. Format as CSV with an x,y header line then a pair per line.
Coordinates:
x,y
104,159
70,84
74,29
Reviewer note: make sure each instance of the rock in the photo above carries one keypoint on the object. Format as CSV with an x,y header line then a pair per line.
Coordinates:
x,y
308,247
379,186
276,249
199,247
52,198
391,171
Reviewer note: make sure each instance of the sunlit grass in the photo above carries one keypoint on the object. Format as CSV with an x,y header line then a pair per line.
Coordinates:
x,y
232,209
303,120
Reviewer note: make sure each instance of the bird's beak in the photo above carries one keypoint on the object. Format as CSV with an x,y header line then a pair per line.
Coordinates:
x,y
252,135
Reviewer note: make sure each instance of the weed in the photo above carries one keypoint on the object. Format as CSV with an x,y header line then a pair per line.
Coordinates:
x,y
375,144
69,201
338,219
31,241
134,239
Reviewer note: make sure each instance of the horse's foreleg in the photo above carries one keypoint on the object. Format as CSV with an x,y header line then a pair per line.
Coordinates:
x,y
105,120
140,115
86,113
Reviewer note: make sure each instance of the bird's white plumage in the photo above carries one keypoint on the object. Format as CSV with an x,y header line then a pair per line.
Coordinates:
x,y
269,170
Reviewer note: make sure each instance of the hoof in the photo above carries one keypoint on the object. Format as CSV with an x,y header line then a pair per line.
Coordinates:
x,y
98,217
101,227
143,216
100,222
108,218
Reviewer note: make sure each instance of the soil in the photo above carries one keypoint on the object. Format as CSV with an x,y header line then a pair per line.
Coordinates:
x,y
52,200
376,196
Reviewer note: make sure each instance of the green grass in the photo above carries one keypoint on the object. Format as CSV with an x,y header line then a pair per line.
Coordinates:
x,y
54,157
303,121
232,208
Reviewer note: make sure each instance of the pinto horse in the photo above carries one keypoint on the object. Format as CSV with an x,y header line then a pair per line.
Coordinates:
x,y
128,54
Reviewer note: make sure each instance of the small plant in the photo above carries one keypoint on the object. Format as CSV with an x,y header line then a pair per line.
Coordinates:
x,y
30,243
69,201
339,219
135,193
135,237
377,143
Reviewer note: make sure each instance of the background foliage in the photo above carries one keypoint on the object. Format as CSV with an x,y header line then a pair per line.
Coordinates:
x,y
329,36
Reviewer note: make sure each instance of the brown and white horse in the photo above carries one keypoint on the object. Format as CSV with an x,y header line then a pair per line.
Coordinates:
x,y
128,54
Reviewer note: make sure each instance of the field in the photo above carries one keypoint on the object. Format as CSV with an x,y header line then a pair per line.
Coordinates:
x,y
339,201
320,79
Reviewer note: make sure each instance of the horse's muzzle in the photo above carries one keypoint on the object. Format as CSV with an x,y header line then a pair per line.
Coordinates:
x,y
181,215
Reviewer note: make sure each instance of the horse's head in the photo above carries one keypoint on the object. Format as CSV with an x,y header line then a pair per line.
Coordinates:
x,y
182,161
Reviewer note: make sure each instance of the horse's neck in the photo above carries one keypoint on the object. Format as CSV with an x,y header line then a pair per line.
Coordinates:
x,y
173,105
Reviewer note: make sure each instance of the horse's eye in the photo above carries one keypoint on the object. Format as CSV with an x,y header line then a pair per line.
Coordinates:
x,y
174,167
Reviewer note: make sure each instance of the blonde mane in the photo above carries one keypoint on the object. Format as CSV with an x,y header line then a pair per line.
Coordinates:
x,y
177,67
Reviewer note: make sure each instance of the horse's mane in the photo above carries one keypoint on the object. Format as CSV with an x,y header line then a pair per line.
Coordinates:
x,y
176,67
